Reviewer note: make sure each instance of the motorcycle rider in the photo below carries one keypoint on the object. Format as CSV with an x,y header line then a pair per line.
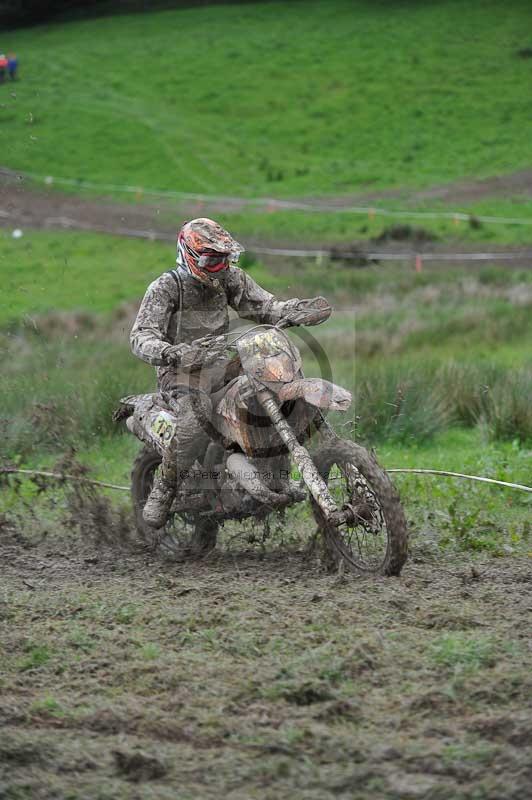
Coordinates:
x,y
180,329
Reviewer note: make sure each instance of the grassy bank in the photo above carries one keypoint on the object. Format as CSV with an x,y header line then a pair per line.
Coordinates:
x,y
298,98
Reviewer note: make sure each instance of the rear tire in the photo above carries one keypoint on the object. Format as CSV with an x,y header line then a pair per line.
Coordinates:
x,y
144,467
383,552
173,538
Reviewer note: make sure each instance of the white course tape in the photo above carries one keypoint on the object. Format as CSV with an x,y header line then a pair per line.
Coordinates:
x,y
468,477
405,256
73,224
501,256
64,477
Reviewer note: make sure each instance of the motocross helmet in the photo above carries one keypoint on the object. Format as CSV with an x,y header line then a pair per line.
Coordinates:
x,y
206,249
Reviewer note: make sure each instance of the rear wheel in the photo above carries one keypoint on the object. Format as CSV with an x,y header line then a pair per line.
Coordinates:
x,y
175,537
377,539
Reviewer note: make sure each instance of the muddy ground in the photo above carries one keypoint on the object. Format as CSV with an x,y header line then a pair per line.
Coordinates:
x,y
256,675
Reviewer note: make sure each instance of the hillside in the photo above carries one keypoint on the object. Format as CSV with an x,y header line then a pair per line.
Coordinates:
x,y
302,98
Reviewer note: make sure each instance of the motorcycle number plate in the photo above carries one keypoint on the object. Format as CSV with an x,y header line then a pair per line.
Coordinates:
x,y
163,426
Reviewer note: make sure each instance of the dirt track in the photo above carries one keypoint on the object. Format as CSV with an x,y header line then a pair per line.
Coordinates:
x,y
24,206
464,191
254,675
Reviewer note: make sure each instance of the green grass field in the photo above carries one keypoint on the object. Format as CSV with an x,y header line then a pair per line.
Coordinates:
x,y
302,98
45,272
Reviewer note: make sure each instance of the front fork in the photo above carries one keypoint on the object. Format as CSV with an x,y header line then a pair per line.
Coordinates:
x,y
313,480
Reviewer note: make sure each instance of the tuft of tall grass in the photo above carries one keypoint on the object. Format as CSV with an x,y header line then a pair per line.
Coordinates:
x,y
63,393
497,398
411,404
508,408
399,406
466,388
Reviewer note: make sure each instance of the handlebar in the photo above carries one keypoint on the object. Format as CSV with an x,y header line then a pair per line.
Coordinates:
x,y
321,314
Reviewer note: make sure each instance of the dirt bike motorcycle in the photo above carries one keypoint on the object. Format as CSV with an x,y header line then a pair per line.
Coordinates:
x,y
266,421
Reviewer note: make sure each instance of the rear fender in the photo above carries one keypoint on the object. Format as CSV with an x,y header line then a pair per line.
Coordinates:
x,y
128,404
317,392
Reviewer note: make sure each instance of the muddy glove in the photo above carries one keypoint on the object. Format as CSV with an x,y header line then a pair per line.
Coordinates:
x,y
308,312
201,353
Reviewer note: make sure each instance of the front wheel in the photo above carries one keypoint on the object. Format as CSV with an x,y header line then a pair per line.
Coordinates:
x,y
376,542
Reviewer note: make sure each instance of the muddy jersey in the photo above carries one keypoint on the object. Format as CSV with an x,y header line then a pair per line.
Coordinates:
x,y
178,311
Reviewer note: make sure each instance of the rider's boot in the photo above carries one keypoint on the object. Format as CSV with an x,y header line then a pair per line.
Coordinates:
x,y
192,412
159,502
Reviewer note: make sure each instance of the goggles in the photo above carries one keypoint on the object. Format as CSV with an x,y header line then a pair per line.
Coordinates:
x,y
212,261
